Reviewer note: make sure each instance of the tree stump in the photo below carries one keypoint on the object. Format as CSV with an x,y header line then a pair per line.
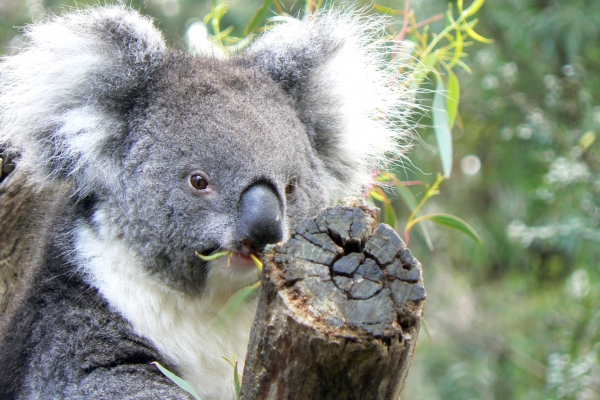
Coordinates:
x,y
339,311
20,210
14,244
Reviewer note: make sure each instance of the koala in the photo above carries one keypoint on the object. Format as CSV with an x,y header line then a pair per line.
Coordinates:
x,y
164,154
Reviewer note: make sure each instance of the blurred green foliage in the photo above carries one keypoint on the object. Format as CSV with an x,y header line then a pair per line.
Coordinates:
x,y
517,317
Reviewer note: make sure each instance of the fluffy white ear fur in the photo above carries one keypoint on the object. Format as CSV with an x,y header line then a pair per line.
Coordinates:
x,y
54,93
58,94
348,89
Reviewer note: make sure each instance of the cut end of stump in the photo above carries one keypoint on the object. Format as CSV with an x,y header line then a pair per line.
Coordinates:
x,y
347,276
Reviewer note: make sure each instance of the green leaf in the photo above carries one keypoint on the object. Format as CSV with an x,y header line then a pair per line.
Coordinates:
x,y
423,68
180,382
412,203
236,381
212,256
377,196
453,98
453,222
587,140
257,262
235,302
390,215
236,376
426,329
258,17
408,197
458,50
441,127
476,36
387,10
216,14
473,8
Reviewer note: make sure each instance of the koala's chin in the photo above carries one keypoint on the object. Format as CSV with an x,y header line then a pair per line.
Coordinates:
x,y
230,273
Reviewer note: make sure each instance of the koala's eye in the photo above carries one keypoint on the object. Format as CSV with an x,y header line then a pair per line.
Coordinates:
x,y
198,181
290,189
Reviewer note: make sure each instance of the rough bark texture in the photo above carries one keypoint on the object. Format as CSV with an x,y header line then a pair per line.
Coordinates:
x,y
339,311
19,207
16,206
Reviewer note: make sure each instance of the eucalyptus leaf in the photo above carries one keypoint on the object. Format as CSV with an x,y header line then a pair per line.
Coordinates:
x,y
390,215
212,257
454,222
258,17
473,8
458,50
441,127
386,10
476,36
587,140
236,381
412,203
377,196
423,68
178,381
235,302
453,98
407,196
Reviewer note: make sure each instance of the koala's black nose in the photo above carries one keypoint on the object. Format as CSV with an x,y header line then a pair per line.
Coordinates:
x,y
260,219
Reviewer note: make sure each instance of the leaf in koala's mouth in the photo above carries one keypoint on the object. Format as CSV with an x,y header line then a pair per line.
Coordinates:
x,y
212,257
244,260
254,257
257,262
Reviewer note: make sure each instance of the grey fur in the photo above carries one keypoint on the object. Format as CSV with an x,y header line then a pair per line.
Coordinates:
x,y
98,101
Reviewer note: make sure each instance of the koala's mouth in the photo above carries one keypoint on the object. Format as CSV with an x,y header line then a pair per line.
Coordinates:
x,y
244,260
239,259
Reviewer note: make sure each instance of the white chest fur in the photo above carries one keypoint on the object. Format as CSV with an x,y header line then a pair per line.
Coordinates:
x,y
180,325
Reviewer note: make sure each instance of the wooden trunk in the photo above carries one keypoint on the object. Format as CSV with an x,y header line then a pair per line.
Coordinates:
x,y
21,211
339,311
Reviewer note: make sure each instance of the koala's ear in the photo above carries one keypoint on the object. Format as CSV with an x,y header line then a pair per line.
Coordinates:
x,y
336,67
64,96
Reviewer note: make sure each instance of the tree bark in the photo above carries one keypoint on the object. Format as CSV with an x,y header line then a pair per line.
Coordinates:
x,y
17,204
339,311
20,207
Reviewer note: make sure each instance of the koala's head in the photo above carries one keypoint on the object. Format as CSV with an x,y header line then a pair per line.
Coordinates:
x,y
175,154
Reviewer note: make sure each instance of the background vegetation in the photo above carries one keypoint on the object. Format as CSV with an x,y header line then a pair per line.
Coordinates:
x,y
517,317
